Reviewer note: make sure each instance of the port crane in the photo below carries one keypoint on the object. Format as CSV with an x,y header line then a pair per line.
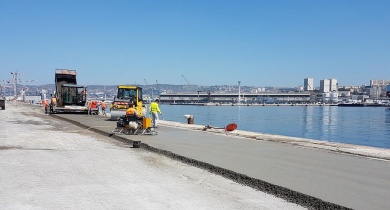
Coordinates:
x,y
186,80
15,80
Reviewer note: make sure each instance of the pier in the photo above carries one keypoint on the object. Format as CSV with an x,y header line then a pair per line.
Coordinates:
x,y
313,174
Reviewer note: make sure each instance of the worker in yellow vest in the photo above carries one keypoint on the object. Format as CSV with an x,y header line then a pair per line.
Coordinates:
x,y
153,109
53,102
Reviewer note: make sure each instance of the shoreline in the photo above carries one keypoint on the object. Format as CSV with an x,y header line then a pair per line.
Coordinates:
x,y
278,104
336,147
351,149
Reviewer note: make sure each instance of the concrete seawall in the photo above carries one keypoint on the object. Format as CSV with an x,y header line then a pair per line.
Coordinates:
x,y
358,150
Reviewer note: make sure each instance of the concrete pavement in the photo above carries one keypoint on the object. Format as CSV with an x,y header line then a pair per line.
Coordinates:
x,y
346,180
47,163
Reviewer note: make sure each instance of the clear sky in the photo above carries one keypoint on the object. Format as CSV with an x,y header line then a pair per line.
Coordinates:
x,y
210,42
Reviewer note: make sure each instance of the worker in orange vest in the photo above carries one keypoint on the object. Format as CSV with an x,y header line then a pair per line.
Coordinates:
x,y
104,106
46,106
131,111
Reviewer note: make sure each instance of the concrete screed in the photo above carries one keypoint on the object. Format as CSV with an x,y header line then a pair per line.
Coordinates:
x,y
46,163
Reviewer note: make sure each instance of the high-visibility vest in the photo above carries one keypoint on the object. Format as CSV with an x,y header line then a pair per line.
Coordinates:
x,y
103,105
90,104
154,108
53,100
130,111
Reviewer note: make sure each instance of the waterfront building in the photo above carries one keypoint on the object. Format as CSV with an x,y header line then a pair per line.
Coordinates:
x,y
375,92
333,85
264,97
325,86
378,87
379,83
308,84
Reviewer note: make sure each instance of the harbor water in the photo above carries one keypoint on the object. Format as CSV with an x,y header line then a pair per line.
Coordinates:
x,y
368,126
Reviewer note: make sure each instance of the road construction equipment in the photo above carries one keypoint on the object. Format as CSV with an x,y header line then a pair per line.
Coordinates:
x,y
134,124
70,97
127,97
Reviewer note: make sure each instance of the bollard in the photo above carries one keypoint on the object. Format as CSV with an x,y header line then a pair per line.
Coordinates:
x,y
191,120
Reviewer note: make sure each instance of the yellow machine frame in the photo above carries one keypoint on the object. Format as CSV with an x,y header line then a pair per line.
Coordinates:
x,y
138,104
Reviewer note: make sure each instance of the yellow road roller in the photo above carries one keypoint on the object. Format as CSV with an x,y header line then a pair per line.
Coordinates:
x,y
127,97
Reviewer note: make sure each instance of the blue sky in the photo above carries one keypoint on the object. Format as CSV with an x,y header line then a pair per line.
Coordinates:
x,y
211,42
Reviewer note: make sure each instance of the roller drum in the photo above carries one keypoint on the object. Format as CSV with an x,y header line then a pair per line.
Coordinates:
x,y
116,114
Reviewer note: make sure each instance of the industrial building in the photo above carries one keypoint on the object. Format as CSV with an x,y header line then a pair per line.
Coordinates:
x,y
234,98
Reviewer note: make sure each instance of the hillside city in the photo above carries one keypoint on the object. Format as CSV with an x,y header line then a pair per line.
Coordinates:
x,y
377,88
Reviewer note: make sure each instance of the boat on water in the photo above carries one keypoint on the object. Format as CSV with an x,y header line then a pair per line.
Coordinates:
x,y
351,104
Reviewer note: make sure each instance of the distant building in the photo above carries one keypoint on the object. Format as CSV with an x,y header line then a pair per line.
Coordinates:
x,y
375,92
308,84
378,87
325,86
379,83
333,85
352,88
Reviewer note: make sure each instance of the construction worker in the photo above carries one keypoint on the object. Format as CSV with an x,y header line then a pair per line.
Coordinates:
x,y
46,106
153,109
54,102
104,106
89,107
131,111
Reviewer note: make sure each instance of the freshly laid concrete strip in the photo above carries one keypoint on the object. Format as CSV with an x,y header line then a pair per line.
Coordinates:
x,y
351,181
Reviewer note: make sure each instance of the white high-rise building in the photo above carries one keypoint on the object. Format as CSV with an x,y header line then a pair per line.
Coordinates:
x,y
379,83
308,84
325,86
333,85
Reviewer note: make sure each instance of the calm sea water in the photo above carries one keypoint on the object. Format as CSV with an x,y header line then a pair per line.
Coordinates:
x,y
369,126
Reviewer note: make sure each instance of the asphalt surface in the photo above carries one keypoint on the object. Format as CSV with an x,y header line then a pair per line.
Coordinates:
x,y
46,163
347,180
